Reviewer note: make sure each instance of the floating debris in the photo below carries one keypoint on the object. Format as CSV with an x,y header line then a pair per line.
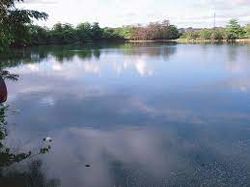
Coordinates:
x,y
47,139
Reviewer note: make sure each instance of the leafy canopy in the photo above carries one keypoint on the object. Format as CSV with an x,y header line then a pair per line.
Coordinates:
x,y
234,30
14,23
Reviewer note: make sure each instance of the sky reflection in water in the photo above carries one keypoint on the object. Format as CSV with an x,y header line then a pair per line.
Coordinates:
x,y
139,115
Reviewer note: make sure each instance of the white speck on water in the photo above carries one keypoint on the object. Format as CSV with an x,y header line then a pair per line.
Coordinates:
x,y
47,139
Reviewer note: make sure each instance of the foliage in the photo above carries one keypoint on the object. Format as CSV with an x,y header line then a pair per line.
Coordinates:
x,y
206,34
67,34
234,30
87,32
38,35
126,31
32,176
218,35
96,32
62,34
111,34
7,157
83,31
16,30
247,31
191,35
14,23
7,75
153,31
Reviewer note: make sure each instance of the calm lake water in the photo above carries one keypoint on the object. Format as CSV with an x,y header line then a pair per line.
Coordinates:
x,y
130,115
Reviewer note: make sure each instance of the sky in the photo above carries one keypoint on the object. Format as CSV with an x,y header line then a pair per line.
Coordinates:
x,y
115,13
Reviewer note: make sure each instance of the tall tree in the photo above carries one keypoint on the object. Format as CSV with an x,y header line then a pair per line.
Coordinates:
x,y
14,23
96,32
234,30
84,32
247,30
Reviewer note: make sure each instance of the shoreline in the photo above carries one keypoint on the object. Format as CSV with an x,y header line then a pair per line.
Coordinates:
x,y
176,41
186,41
151,41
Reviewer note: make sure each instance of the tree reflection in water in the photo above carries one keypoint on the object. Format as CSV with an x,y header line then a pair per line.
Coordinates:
x,y
32,177
68,52
9,174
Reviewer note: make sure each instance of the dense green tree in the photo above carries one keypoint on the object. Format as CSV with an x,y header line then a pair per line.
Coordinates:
x,y
14,23
247,31
56,34
83,31
38,35
69,34
217,35
206,34
111,34
126,32
62,34
96,32
172,32
234,30
192,35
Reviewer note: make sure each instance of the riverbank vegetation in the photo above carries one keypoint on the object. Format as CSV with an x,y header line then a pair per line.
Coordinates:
x,y
14,23
153,31
17,30
230,33
67,34
86,32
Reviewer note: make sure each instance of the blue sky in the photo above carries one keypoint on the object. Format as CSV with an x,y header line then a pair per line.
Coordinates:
x,y
182,13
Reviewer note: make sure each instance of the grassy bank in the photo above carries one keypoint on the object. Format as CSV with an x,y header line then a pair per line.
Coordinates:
x,y
152,41
186,41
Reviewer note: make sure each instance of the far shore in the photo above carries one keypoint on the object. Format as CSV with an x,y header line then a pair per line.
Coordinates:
x,y
185,41
241,41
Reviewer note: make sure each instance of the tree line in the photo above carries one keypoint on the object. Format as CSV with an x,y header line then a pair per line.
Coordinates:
x,y
68,34
153,31
87,32
231,32
17,30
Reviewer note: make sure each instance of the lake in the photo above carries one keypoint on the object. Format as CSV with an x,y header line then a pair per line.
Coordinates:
x,y
147,114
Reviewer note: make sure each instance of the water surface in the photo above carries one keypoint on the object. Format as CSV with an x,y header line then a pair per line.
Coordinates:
x,y
133,114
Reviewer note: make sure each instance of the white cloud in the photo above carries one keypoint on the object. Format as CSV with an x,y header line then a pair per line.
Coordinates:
x,y
40,2
117,13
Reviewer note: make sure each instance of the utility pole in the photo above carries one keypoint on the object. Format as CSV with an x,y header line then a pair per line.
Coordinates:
x,y
214,20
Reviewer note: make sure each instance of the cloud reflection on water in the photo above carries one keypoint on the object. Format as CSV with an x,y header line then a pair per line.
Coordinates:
x,y
145,156
157,114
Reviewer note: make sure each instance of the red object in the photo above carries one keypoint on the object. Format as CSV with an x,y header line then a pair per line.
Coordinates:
x,y
3,91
